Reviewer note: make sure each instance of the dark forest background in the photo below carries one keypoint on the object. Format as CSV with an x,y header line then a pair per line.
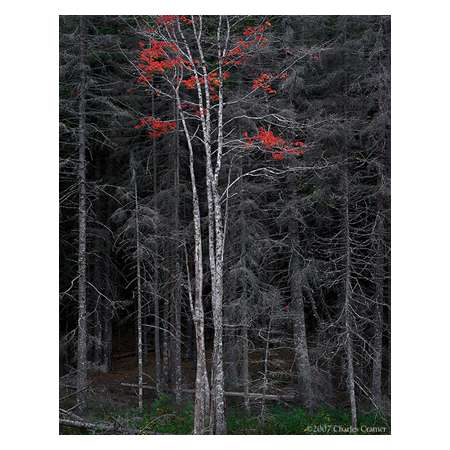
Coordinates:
x,y
308,246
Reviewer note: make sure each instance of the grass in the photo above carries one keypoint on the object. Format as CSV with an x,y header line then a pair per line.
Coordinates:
x,y
167,418
295,420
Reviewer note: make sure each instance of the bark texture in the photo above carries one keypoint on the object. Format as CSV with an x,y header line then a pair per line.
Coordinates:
x,y
82,219
348,337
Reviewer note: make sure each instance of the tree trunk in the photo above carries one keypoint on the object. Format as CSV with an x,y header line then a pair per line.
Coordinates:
x,y
262,416
110,428
348,302
218,239
304,376
98,336
190,339
254,395
156,275
139,288
380,238
348,295
177,287
157,329
378,312
218,425
107,305
165,380
215,238
215,225
231,348
107,327
245,375
202,394
244,299
218,375
99,264
82,218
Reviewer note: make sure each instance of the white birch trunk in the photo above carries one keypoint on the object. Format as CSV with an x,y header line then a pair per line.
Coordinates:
x,y
202,394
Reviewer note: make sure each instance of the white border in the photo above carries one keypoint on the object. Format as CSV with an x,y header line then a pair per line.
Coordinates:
x,y
29,223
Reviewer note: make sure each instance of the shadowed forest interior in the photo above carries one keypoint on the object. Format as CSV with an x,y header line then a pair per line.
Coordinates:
x,y
224,224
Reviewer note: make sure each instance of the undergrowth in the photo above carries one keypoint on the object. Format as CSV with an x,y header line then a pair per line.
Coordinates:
x,y
167,418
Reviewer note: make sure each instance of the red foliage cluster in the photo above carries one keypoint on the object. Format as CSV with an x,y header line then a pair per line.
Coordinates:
x,y
236,51
253,36
189,83
213,82
157,127
268,139
158,58
250,31
272,142
165,20
295,151
278,156
263,82
248,140
169,20
186,20
265,79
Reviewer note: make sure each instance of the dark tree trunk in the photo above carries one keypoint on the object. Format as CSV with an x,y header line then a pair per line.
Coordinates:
x,y
304,377
245,366
166,345
244,300
380,234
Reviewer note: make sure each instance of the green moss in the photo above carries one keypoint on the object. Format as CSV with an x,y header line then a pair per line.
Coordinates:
x,y
166,417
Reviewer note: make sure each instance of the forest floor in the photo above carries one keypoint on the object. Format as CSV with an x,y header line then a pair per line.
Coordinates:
x,y
111,402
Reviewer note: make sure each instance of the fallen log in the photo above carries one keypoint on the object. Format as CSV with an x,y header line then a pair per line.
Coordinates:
x,y
98,426
125,355
260,396
251,395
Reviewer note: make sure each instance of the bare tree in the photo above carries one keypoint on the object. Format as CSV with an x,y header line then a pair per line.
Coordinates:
x,y
139,285
297,292
82,216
